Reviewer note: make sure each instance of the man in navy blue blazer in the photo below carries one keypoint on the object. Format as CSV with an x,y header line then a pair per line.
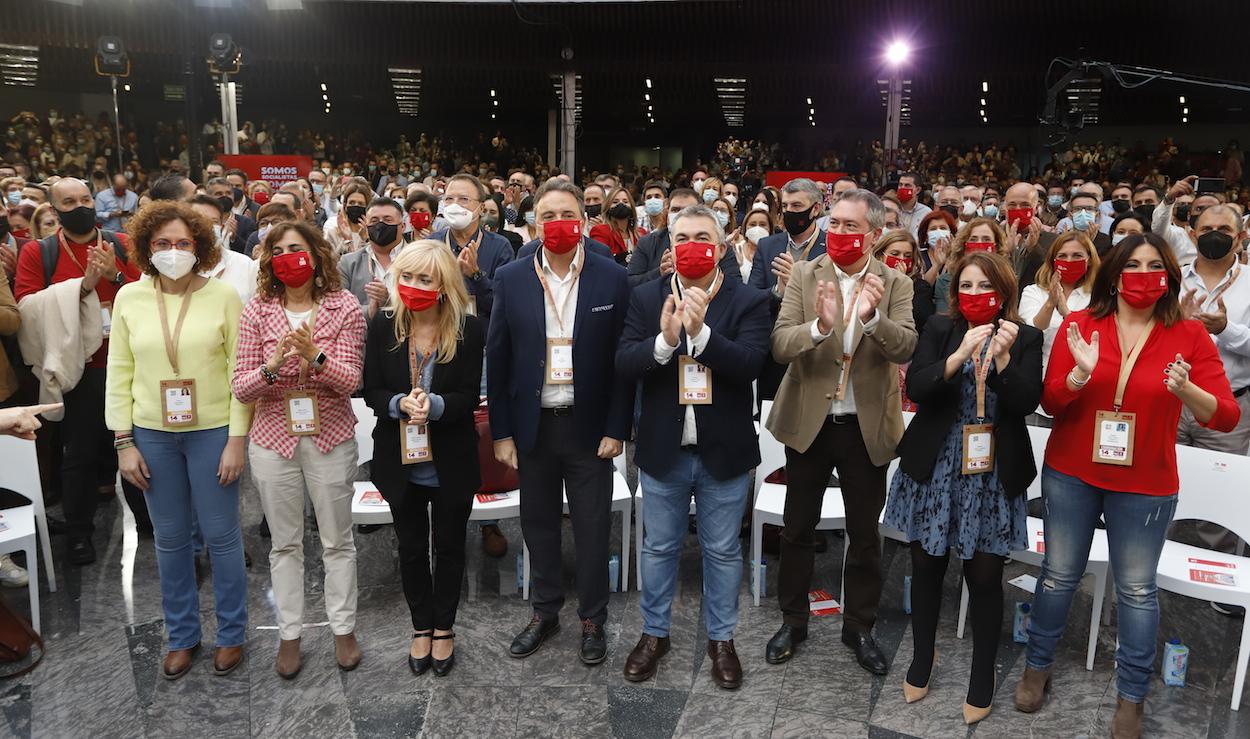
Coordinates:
x,y
652,257
696,341
802,204
480,252
558,411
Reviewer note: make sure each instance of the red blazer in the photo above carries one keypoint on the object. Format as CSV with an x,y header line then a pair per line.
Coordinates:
x,y
1153,472
605,234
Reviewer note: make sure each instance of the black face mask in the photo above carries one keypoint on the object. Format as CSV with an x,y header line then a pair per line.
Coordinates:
x,y
620,210
80,220
490,222
1145,210
1215,245
952,209
355,213
238,195
593,211
1181,212
797,223
1120,206
226,203
383,234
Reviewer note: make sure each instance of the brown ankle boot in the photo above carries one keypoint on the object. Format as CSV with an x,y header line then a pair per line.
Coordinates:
x,y
288,663
1127,721
347,651
1031,692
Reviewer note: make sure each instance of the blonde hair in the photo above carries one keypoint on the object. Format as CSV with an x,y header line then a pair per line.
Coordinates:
x,y
432,257
959,242
40,211
1047,269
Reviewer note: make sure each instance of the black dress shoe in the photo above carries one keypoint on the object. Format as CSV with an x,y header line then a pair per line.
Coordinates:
x,y
594,643
443,666
867,653
367,528
533,635
781,647
419,665
81,551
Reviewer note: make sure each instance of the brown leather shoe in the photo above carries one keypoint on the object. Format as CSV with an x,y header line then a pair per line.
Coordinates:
x,y
288,663
1127,721
347,651
726,669
643,661
494,543
178,662
1031,692
225,659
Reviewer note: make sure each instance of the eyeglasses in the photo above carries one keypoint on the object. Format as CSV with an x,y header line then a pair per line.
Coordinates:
x,y
166,244
461,200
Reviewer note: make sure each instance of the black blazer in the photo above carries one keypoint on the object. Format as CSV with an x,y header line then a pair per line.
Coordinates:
x,y
454,436
741,325
922,304
516,353
245,227
644,266
1019,388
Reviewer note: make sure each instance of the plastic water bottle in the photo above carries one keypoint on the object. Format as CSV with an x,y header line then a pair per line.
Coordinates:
x,y
907,594
1175,663
1020,628
614,572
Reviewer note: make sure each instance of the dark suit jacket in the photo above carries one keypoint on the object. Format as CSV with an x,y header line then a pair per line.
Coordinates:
x,y
645,264
741,324
770,248
245,227
492,253
516,353
603,250
1018,389
922,305
453,437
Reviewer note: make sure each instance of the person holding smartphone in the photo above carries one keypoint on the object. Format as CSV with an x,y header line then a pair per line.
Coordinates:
x,y
115,206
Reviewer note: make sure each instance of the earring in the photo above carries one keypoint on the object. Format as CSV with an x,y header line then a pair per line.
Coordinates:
x,y
319,282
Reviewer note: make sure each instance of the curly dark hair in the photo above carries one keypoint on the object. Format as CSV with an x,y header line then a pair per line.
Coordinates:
x,y
326,277
157,213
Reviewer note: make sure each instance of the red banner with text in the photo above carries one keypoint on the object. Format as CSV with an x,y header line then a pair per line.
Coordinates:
x,y
275,169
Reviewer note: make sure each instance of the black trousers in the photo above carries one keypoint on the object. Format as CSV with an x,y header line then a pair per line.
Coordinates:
x,y
554,466
89,458
432,597
837,446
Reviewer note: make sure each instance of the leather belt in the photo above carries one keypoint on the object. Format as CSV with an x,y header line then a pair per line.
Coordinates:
x,y
559,411
842,419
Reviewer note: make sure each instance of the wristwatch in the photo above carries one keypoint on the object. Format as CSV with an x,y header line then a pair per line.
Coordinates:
x,y
319,360
270,376
477,275
119,278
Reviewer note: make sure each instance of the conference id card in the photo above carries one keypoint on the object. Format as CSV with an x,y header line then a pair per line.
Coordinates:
x,y
559,361
178,403
414,443
844,379
694,382
978,456
106,317
302,418
1113,437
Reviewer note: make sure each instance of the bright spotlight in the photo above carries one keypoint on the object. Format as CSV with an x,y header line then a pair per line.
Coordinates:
x,y
897,52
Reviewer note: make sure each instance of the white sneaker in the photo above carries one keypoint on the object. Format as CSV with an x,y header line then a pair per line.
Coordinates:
x,y
12,575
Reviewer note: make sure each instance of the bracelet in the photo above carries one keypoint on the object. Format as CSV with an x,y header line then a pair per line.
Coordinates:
x,y
121,444
1078,384
270,376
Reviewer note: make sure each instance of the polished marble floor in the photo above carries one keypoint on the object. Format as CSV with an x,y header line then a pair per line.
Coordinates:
x,y
105,641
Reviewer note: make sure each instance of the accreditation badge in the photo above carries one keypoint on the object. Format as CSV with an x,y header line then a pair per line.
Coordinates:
x,y
978,456
414,443
302,418
1113,437
559,361
178,403
694,382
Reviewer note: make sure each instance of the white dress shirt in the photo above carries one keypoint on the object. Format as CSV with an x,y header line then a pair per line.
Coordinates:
x,y
1234,341
1031,302
910,219
1183,247
664,354
563,293
238,271
846,283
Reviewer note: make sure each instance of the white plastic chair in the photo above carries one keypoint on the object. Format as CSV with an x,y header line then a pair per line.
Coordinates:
x,y
1099,556
1210,482
366,514
19,472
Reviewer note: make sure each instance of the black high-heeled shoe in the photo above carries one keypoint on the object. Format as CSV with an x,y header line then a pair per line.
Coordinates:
x,y
419,665
443,666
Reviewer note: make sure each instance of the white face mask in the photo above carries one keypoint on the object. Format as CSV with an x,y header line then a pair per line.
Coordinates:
x,y
173,263
970,208
1117,238
757,234
457,216
721,218
939,234
698,185
731,199
710,196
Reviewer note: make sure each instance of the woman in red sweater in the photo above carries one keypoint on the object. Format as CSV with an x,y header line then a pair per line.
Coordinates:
x,y
1118,375
620,227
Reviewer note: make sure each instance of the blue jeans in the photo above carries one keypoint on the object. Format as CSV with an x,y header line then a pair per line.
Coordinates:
x,y
184,480
1136,528
719,516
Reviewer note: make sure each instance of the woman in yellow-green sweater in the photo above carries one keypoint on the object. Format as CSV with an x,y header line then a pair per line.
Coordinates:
x,y
179,431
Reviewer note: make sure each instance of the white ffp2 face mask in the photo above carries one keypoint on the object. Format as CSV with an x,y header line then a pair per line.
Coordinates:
x,y
757,234
457,216
173,263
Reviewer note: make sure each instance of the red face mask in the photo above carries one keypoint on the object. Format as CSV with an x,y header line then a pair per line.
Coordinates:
x,y
293,269
21,233
905,194
1020,218
562,237
971,247
419,219
1071,271
416,299
261,197
980,308
1143,289
844,249
903,264
694,259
